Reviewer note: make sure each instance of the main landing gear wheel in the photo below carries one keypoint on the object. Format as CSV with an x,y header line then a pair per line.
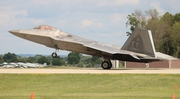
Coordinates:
x,y
54,55
106,65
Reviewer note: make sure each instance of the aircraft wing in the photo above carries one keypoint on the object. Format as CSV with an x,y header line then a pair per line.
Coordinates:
x,y
113,51
121,54
110,49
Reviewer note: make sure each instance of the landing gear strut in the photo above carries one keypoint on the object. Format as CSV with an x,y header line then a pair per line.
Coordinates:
x,y
106,64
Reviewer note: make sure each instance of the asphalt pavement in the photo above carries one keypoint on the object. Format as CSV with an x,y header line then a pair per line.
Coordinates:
x,y
89,71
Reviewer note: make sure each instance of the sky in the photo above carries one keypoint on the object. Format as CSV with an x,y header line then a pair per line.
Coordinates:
x,y
100,20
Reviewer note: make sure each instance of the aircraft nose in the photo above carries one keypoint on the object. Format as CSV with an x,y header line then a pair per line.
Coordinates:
x,y
14,31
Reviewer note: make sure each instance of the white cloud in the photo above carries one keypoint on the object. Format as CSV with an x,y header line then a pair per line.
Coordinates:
x,y
98,24
36,21
117,18
105,18
9,16
47,2
174,4
86,23
156,5
85,2
118,2
61,22
64,3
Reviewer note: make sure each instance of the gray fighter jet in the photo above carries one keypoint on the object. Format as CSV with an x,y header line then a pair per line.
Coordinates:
x,y
139,47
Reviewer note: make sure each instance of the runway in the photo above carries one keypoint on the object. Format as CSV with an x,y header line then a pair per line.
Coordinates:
x,y
89,71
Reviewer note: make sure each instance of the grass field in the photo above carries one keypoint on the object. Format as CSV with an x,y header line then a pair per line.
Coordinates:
x,y
89,86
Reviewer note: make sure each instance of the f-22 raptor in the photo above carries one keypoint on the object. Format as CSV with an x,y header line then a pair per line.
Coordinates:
x,y
139,47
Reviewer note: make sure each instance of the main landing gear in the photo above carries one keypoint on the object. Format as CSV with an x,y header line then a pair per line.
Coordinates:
x,y
106,64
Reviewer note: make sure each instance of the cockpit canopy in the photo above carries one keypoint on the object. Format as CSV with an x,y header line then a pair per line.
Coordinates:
x,y
45,27
56,33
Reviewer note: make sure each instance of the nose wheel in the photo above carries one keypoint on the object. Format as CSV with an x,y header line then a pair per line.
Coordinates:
x,y
54,55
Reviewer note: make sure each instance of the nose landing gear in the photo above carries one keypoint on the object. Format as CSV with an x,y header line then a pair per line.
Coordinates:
x,y
54,54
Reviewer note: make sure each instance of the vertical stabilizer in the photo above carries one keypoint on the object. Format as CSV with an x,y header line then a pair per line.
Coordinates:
x,y
140,41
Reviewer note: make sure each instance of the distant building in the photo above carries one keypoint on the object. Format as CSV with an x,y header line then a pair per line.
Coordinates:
x,y
115,63
171,63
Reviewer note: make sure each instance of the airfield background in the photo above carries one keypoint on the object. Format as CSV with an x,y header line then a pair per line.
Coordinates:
x,y
171,63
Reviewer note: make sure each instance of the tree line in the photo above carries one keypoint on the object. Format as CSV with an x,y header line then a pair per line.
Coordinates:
x,y
165,29
73,59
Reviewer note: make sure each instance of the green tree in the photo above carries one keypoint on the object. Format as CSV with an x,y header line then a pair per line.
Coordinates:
x,y
85,59
43,60
136,19
95,60
177,17
73,58
132,22
31,60
21,59
10,57
172,40
157,26
89,64
50,57
153,13
165,29
58,61
140,16
80,64
37,57
168,19
1,59
158,29
167,45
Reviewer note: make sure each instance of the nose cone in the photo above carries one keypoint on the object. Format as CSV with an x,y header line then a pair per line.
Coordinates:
x,y
14,32
17,33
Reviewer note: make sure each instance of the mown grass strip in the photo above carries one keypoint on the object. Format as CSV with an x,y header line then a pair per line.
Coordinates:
x,y
89,86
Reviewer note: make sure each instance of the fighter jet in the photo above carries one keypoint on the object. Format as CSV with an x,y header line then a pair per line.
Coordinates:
x,y
139,47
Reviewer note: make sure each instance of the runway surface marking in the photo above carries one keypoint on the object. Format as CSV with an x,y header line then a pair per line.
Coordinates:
x,y
89,71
